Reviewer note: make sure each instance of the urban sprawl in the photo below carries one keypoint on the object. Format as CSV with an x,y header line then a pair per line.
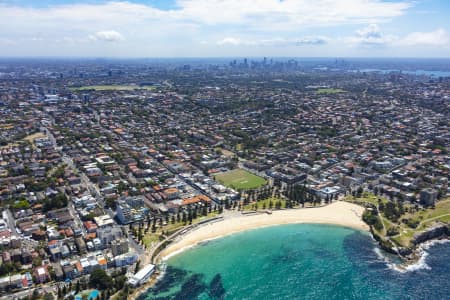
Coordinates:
x,y
101,161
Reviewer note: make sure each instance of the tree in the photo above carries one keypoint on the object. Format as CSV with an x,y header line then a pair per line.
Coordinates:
x,y
100,279
57,201
190,216
359,191
83,283
380,205
140,234
138,265
35,294
392,231
278,204
391,211
371,218
48,296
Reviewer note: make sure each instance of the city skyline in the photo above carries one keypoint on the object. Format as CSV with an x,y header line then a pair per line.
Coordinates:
x,y
200,28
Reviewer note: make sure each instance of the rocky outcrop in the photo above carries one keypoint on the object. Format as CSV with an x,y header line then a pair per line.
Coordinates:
x,y
435,232
404,251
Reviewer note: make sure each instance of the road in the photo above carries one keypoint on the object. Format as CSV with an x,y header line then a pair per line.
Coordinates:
x,y
47,288
93,188
87,183
77,219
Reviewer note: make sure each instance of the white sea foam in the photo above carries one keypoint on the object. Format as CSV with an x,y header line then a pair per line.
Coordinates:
x,y
162,268
388,261
428,244
420,264
380,255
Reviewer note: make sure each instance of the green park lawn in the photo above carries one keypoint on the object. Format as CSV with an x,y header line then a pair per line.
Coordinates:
x,y
111,88
239,179
265,204
330,91
425,217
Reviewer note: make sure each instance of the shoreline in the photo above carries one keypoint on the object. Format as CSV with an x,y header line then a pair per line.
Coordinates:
x,y
337,213
419,260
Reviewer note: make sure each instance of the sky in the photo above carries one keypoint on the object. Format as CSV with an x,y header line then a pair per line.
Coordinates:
x,y
225,28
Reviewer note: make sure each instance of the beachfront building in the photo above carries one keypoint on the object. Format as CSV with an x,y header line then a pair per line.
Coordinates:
x,y
130,210
428,196
142,276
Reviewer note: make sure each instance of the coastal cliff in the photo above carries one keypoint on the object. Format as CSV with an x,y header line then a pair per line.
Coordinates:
x,y
413,253
436,232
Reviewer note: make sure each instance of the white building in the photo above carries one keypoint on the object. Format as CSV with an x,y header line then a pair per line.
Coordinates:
x,y
142,276
125,259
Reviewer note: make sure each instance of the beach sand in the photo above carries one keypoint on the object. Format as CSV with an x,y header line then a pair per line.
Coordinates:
x,y
337,213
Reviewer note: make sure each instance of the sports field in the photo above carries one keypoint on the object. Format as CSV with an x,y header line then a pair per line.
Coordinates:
x,y
112,88
330,91
239,179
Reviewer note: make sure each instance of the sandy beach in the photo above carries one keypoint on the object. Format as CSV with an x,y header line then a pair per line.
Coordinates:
x,y
337,213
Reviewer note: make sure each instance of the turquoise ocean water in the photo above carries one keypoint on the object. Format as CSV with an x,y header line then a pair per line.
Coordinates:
x,y
300,261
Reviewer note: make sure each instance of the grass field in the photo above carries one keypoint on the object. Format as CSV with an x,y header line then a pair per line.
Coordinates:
x,y
225,152
152,238
265,204
330,91
112,88
29,138
239,179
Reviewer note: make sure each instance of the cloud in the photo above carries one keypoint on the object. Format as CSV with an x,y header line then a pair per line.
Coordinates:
x,y
371,36
229,41
274,42
174,31
7,42
276,14
319,40
272,15
107,36
436,38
